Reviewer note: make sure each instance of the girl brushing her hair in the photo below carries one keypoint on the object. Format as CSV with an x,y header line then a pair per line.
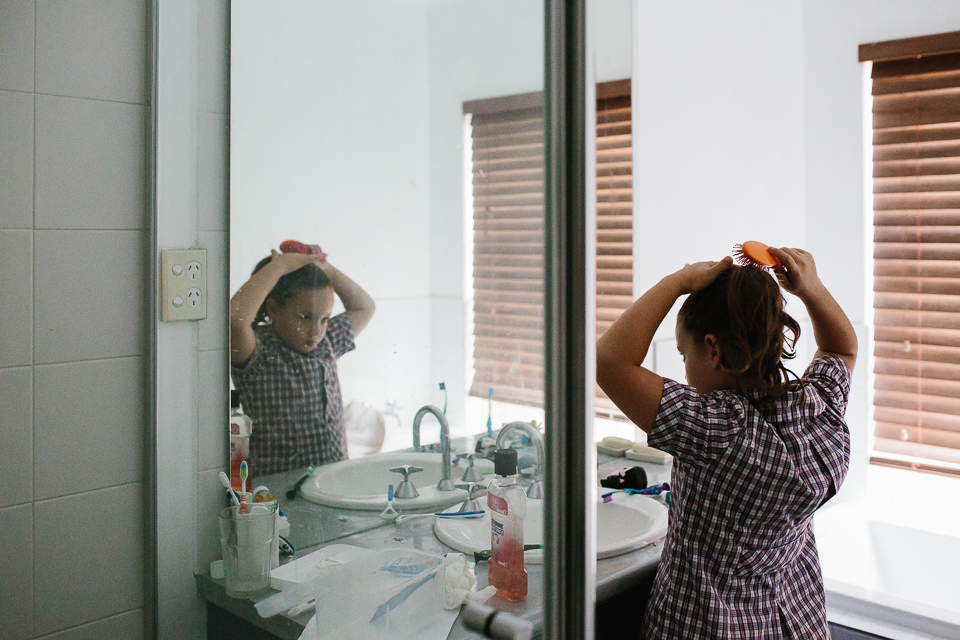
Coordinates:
x,y
284,347
756,453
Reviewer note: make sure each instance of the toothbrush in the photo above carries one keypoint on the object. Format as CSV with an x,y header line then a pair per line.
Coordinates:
x,y
653,490
243,487
225,481
444,516
292,493
490,413
443,388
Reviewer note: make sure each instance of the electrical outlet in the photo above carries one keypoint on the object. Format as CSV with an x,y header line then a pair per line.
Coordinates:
x,y
183,284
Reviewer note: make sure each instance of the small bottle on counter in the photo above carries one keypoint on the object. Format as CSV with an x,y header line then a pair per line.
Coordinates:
x,y
241,426
507,503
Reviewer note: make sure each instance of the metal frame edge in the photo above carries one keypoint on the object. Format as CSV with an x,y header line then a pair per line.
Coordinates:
x,y
151,558
568,608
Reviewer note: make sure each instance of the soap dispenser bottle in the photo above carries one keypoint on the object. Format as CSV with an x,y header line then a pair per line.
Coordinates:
x,y
508,507
241,426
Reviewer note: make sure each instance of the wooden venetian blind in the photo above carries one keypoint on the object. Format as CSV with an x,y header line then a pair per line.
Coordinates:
x,y
508,186
916,251
614,214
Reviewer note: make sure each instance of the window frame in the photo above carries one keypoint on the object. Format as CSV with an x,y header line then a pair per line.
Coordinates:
x,y
895,62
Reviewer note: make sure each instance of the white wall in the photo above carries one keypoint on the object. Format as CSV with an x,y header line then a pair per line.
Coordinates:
x,y
717,131
72,340
193,124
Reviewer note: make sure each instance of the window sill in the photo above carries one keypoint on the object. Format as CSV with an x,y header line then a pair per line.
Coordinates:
x,y
891,563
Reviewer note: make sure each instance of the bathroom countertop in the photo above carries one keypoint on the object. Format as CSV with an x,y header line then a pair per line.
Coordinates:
x,y
314,526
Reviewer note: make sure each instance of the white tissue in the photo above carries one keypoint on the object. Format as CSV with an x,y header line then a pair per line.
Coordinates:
x,y
459,582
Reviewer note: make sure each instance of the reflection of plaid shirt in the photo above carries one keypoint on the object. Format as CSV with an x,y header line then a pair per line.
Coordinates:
x,y
294,400
740,560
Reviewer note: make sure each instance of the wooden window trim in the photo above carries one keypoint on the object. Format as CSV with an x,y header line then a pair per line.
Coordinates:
x,y
910,47
534,99
500,104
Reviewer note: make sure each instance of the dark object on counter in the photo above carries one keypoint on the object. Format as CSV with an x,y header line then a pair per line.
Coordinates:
x,y
484,556
495,624
634,478
486,447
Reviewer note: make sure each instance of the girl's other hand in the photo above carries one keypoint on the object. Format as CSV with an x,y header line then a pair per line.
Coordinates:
x,y
797,272
319,257
698,275
290,262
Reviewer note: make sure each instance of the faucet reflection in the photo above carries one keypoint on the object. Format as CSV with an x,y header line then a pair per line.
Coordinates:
x,y
446,483
535,490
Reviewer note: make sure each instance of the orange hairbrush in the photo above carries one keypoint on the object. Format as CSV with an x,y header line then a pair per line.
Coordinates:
x,y
755,253
293,246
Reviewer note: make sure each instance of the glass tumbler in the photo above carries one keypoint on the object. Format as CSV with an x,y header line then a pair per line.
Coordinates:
x,y
246,540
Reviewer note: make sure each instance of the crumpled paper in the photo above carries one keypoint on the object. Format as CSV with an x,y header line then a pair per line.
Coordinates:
x,y
459,582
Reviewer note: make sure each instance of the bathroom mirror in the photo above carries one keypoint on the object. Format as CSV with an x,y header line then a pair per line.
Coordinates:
x,y
348,131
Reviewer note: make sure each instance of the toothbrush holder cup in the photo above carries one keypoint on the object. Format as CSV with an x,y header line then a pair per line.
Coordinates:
x,y
246,540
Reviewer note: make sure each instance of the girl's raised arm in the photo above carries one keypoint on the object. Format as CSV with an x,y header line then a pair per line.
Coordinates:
x,y
623,348
831,328
357,302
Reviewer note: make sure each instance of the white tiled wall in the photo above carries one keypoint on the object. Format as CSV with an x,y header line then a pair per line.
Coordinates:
x,y
119,627
88,175
16,158
93,539
72,348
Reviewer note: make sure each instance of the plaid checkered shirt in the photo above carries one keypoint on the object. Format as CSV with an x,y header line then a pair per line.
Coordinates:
x,y
739,559
294,400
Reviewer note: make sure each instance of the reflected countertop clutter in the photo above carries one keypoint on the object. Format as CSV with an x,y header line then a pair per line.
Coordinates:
x,y
314,526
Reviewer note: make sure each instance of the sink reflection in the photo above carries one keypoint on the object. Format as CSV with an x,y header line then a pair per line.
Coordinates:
x,y
624,524
361,483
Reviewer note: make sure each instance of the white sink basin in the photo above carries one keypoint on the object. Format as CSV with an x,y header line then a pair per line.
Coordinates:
x,y
624,524
361,483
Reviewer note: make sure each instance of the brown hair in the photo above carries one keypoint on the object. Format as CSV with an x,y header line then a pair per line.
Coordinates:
x,y
744,309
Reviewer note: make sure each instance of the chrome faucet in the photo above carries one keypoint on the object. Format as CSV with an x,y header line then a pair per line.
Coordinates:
x,y
445,484
535,490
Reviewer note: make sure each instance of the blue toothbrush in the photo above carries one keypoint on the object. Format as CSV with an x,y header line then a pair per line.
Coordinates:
x,y
490,413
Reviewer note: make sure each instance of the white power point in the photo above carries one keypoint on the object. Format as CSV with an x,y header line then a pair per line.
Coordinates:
x,y
183,284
